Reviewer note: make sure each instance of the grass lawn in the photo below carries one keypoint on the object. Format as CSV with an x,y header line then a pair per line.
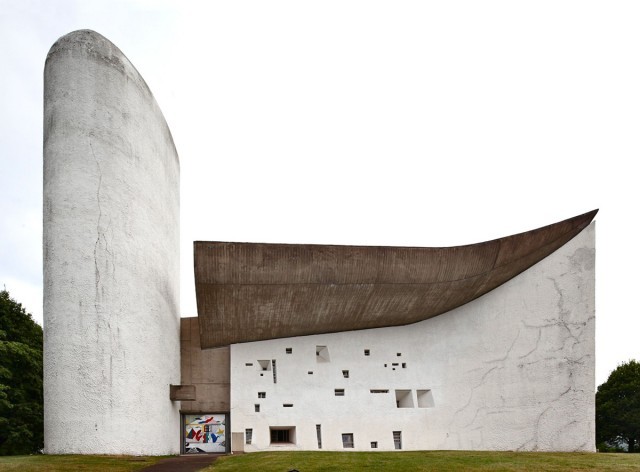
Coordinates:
x,y
431,461
46,463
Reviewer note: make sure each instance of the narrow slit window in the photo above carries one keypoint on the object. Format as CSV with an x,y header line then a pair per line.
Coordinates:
x,y
397,439
345,374
379,390
273,367
339,392
319,435
248,364
287,405
248,435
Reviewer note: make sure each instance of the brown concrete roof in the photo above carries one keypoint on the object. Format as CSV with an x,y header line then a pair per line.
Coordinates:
x,y
254,291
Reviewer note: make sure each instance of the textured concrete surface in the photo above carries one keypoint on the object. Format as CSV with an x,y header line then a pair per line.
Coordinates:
x,y
250,292
207,370
111,256
511,370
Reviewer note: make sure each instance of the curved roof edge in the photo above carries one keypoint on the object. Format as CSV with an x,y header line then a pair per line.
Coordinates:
x,y
254,291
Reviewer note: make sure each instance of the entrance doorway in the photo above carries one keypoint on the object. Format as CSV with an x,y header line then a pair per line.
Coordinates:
x,y
204,433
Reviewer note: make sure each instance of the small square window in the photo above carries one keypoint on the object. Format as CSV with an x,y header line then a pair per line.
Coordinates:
x,y
339,392
374,444
398,354
257,408
367,352
345,374
262,394
404,365
288,350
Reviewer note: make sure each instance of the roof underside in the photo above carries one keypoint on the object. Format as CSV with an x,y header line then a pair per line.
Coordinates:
x,y
250,292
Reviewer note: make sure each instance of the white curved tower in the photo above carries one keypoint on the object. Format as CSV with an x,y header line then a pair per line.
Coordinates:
x,y
111,256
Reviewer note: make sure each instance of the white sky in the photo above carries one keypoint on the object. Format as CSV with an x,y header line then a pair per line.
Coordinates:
x,y
360,122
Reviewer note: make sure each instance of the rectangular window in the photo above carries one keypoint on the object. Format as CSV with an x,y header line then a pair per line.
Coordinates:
x,y
248,364
257,408
283,435
288,350
248,435
425,399
397,439
374,444
322,354
310,372
379,390
273,365
287,405
345,374
347,440
404,399
367,352
319,434
262,394
339,392
398,354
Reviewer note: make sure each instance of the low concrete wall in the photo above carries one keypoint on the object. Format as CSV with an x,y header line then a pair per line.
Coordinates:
x,y
512,370
111,256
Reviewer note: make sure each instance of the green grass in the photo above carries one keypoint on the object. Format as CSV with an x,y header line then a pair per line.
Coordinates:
x,y
47,463
431,461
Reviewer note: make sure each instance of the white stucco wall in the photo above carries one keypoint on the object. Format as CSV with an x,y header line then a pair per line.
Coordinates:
x,y
512,370
111,256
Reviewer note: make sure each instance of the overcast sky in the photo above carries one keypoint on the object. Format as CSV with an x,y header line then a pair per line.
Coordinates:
x,y
360,122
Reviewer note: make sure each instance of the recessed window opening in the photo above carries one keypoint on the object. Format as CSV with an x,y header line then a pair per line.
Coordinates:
x,y
398,354
379,390
319,435
367,352
374,444
310,372
339,392
404,399
345,374
282,434
248,435
404,365
273,365
322,354
249,364
264,364
385,365
287,405
397,439
257,407
425,399
395,363
347,440
288,350
262,394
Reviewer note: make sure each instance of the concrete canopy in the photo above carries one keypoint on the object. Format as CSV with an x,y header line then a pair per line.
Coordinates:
x,y
253,291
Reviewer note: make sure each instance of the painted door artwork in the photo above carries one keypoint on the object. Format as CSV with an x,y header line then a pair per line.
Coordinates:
x,y
204,433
